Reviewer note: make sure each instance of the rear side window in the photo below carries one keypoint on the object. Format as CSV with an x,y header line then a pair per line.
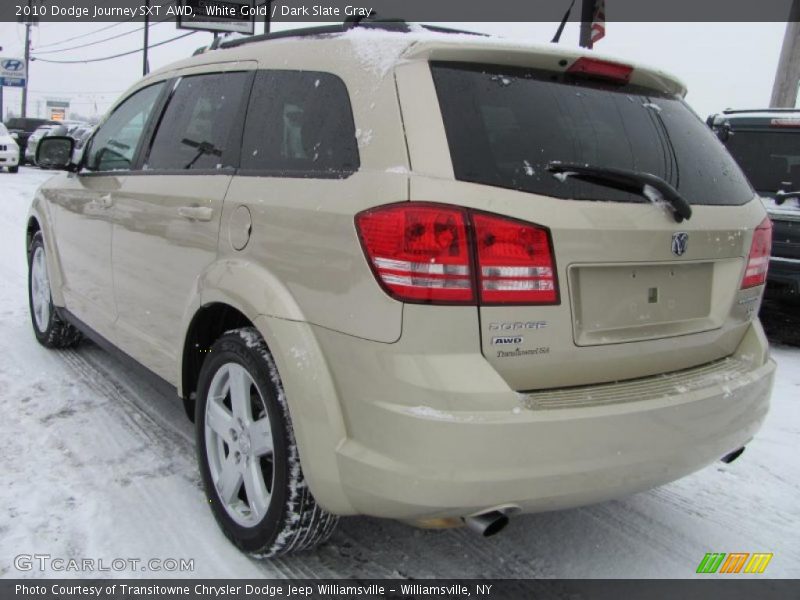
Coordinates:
x,y
299,124
197,129
771,159
504,125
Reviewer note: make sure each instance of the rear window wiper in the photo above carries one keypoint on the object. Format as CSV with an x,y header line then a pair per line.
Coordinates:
x,y
635,182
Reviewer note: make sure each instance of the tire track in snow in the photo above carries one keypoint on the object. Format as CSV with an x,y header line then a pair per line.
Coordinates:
x,y
169,433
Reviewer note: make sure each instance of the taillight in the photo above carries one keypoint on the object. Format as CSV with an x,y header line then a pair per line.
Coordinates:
x,y
758,259
423,252
601,69
515,260
419,252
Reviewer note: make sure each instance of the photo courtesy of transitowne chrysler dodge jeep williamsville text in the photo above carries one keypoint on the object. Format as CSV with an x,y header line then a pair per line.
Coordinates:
x,y
417,274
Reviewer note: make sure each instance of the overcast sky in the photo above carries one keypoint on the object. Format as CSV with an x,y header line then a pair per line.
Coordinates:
x,y
723,64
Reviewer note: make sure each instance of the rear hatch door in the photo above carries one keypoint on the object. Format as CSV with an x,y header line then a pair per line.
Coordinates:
x,y
639,293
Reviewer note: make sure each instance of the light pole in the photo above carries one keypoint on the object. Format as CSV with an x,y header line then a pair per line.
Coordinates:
x,y
145,65
787,75
27,60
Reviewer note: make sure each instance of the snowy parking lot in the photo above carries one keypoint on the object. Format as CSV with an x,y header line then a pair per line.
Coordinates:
x,y
97,464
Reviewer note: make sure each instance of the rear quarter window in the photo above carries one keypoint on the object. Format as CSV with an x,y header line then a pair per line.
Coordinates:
x,y
770,157
504,125
299,124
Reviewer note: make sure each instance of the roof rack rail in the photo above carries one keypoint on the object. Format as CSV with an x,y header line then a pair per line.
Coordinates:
x,y
396,25
730,111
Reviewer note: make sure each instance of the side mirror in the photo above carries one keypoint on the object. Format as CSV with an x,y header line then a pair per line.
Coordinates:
x,y
14,135
55,152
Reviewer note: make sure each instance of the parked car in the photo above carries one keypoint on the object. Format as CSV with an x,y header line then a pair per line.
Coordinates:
x,y
80,133
22,128
437,278
766,144
9,151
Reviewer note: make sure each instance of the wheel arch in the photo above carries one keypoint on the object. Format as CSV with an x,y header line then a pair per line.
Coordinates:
x,y
231,294
31,229
37,222
209,322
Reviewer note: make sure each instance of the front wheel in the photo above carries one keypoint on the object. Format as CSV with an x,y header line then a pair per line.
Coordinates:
x,y
50,330
247,452
13,169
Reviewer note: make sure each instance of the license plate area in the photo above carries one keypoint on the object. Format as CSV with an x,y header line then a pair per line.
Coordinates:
x,y
623,303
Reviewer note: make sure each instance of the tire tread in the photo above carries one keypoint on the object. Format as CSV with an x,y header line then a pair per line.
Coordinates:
x,y
59,333
305,524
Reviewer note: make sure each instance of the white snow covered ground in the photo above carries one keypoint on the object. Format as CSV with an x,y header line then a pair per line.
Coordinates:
x,y
95,463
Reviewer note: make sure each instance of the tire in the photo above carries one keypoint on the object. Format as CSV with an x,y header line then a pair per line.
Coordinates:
x,y
50,329
259,496
13,169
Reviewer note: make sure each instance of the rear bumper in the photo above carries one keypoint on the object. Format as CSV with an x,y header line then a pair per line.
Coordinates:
x,y
411,453
783,278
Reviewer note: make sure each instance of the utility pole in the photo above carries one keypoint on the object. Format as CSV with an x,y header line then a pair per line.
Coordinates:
x,y
787,76
27,61
145,65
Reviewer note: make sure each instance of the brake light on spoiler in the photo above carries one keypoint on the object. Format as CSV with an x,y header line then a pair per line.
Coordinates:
x,y
601,69
440,254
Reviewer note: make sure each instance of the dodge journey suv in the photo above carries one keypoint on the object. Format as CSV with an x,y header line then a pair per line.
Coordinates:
x,y
419,275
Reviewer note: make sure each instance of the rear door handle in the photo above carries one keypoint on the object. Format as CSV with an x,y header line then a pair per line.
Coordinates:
x,y
196,213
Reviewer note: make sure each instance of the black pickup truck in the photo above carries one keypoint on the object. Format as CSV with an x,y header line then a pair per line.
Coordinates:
x,y
766,144
24,128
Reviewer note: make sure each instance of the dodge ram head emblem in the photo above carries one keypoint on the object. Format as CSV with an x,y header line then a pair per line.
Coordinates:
x,y
680,241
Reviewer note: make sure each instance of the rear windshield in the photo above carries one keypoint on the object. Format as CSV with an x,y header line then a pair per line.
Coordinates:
x,y
770,159
505,124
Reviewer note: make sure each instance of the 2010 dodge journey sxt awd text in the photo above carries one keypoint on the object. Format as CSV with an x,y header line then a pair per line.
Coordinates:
x,y
414,274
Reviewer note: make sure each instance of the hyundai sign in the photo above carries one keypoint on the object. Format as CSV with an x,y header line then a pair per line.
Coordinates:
x,y
12,72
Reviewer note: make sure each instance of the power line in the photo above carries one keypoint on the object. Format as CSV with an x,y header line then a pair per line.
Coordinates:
x,y
113,37
91,60
83,35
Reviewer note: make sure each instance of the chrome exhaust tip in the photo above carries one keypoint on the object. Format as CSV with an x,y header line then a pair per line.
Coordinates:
x,y
488,523
729,458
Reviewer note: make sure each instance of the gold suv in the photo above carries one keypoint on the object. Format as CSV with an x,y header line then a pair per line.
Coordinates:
x,y
414,274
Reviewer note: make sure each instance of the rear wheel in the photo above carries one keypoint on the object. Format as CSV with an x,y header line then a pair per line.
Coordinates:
x,y
13,169
247,453
50,330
